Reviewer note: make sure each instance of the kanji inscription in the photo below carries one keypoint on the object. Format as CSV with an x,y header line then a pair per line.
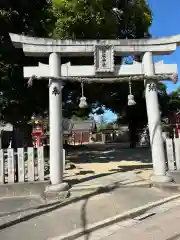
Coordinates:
x,y
55,91
152,87
104,58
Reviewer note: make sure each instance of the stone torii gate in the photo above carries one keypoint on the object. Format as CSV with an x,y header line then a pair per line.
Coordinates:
x,y
103,70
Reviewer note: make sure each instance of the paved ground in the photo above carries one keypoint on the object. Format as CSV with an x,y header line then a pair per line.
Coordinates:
x,y
81,213
9,205
161,227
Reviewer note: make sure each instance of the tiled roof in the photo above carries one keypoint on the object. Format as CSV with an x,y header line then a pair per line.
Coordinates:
x,y
83,125
74,125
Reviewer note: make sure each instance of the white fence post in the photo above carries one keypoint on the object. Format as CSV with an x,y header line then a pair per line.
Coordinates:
x,y
2,170
21,170
40,154
170,154
177,152
11,165
64,160
30,152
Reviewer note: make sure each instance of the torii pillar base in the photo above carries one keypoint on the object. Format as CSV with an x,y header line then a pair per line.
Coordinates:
x,y
161,179
58,192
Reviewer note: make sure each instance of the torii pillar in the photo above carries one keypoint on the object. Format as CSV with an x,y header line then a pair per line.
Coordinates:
x,y
55,127
55,120
154,122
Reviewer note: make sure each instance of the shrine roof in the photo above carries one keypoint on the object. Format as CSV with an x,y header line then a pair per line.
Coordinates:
x,y
80,125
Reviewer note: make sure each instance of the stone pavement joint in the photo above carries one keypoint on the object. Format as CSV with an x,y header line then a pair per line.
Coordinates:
x,y
162,227
144,216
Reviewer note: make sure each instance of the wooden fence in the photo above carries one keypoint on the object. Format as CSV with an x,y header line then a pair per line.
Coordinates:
x,y
173,153
24,165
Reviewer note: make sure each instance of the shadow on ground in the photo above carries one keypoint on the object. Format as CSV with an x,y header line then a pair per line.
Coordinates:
x,y
47,208
74,181
102,153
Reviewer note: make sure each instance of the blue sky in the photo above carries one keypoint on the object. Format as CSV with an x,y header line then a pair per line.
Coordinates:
x,y
166,22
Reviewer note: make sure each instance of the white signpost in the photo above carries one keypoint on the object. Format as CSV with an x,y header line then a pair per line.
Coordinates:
x,y
104,70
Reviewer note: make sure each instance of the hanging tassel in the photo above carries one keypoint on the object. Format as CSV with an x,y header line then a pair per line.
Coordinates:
x,y
31,80
83,102
131,101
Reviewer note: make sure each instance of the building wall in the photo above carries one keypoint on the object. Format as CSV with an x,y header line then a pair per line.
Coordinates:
x,y
79,137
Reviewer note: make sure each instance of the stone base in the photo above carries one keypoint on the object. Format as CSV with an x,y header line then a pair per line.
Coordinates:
x,y
35,188
58,192
175,175
161,179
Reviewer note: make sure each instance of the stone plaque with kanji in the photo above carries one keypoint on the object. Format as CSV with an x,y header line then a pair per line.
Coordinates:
x,y
104,59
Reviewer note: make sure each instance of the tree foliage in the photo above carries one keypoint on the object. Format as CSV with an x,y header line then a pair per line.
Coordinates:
x,y
94,19
171,102
21,16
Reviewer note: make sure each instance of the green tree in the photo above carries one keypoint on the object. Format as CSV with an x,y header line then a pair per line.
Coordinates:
x,y
173,102
94,19
24,17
